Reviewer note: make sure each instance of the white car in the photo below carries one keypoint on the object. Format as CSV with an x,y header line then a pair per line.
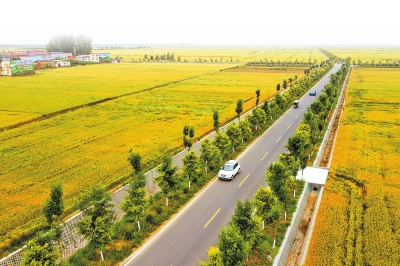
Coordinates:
x,y
229,170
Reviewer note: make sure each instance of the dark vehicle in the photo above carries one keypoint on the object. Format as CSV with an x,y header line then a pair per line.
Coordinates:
x,y
296,103
313,92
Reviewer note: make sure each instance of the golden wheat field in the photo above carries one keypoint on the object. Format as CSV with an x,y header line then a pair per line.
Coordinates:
x,y
47,91
375,55
221,54
91,145
358,222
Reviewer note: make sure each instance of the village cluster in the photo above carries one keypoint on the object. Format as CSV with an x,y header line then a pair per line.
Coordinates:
x,y
27,62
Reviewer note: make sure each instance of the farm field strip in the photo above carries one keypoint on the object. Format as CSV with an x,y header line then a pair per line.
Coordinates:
x,y
91,145
23,98
223,55
358,222
378,55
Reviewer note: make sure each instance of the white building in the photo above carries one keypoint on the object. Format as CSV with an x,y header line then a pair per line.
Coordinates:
x,y
60,63
94,58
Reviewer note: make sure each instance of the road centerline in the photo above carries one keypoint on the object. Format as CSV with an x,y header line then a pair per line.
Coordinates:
x,y
297,116
289,126
264,156
279,139
215,214
244,179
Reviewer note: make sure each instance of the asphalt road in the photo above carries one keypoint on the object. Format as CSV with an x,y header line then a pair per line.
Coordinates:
x,y
186,238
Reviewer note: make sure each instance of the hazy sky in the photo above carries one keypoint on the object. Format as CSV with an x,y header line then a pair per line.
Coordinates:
x,y
218,22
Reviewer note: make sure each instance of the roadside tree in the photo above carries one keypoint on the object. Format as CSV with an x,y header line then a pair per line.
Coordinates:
x,y
239,108
234,134
166,180
54,205
98,217
191,166
135,202
221,140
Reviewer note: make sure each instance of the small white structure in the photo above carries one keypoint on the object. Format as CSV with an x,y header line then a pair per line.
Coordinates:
x,y
60,63
94,58
314,176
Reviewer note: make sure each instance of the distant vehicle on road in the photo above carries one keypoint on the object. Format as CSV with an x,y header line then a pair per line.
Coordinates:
x,y
229,170
296,103
313,92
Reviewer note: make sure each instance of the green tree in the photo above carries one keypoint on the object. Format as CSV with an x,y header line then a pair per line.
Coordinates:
x,y
299,144
266,107
278,177
275,217
232,247
243,220
284,85
278,86
239,108
64,44
136,161
291,163
209,153
166,179
191,132
54,206
221,140
316,107
216,121
191,166
41,250
253,121
234,134
280,100
98,217
188,134
260,115
135,202
245,129
185,130
264,200
257,96
83,45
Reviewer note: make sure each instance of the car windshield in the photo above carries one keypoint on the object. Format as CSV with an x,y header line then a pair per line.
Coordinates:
x,y
227,167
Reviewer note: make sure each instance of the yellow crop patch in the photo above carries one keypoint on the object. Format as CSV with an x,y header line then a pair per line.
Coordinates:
x,y
364,179
52,90
91,145
220,54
